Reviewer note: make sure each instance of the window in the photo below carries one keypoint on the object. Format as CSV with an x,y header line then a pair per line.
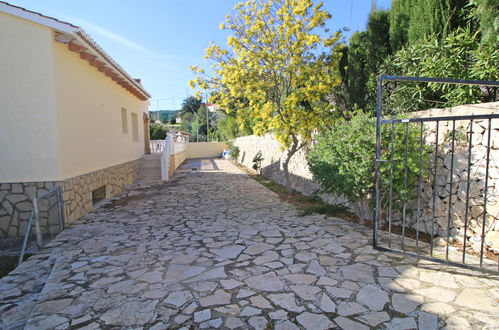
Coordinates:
x,y
124,121
135,127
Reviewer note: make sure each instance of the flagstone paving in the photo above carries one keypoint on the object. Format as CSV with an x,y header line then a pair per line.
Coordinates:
x,y
215,249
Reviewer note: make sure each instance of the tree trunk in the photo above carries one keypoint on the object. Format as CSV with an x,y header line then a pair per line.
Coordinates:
x,y
363,210
291,151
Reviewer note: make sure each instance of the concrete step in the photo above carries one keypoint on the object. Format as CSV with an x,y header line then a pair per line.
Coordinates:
x,y
147,175
150,165
151,156
150,168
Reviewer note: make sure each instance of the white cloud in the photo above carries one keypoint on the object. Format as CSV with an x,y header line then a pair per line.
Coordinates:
x,y
94,29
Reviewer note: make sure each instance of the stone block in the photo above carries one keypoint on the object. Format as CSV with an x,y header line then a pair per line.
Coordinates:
x,y
30,191
17,188
13,231
5,223
24,206
3,193
16,198
8,207
476,211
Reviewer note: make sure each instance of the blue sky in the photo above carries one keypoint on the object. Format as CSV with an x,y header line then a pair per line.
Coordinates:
x,y
157,40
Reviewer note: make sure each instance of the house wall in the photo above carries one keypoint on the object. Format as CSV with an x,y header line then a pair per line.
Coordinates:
x,y
205,149
28,139
60,125
89,106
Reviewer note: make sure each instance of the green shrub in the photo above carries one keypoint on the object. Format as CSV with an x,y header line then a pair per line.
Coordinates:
x,y
257,161
233,150
342,161
157,131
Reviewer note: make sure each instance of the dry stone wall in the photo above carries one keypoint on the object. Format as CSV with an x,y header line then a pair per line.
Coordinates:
x,y
16,198
271,165
454,199
273,157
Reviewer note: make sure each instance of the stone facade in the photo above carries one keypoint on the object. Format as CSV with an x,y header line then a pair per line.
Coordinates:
x,y
77,191
302,181
271,165
456,201
16,198
175,161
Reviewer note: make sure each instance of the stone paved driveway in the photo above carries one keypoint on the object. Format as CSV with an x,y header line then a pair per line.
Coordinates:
x,y
215,249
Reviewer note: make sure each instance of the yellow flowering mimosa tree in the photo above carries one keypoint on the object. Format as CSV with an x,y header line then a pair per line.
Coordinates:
x,y
278,67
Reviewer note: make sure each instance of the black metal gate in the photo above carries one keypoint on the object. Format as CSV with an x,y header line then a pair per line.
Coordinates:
x,y
437,184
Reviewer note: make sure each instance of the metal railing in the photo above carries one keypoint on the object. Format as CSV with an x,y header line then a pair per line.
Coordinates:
x,y
47,218
434,205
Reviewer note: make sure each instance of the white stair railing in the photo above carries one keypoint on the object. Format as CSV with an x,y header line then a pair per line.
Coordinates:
x,y
171,147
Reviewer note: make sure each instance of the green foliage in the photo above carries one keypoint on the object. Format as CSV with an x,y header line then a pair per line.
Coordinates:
x,y
399,23
157,131
257,161
227,127
342,161
276,64
366,52
165,116
190,104
434,18
326,209
9,263
233,150
460,55
485,14
358,52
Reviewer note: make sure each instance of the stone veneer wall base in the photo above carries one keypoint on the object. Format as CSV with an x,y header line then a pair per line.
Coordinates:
x,y
16,198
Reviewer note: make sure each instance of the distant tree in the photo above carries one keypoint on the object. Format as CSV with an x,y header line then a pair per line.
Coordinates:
x,y
399,23
228,127
484,17
460,55
434,17
157,131
358,52
190,104
366,52
166,115
274,66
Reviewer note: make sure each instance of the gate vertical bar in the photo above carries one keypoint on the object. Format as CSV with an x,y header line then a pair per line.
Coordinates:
x,y
60,208
377,184
38,230
420,179
390,194
434,188
25,239
485,192
451,182
405,182
467,191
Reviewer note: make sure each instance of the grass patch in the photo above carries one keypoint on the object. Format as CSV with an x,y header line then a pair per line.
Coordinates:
x,y
307,205
8,263
326,209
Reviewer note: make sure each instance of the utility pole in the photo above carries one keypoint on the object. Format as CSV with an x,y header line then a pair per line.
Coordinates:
x,y
207,121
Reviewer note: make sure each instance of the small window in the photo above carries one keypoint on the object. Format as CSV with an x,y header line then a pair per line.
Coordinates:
x,y
135,127
98,194
124,121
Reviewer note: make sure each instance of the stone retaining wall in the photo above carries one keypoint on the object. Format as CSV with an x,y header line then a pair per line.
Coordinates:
x,y
175,161
16,198
273,157
271,166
